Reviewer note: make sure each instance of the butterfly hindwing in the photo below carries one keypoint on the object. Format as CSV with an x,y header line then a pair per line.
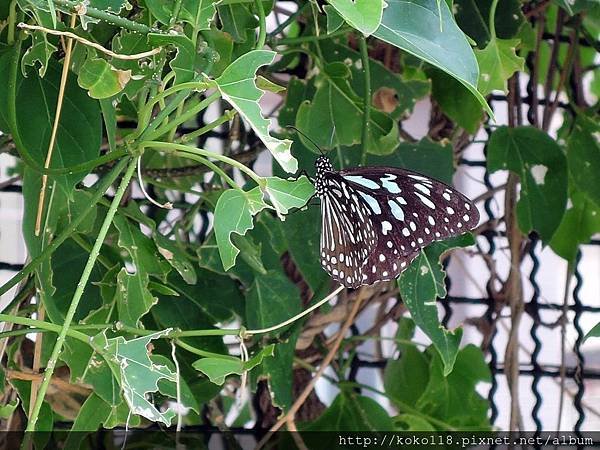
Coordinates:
x,y
347,236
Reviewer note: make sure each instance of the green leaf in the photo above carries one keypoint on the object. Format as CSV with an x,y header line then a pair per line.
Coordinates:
x,y
133,297
583,157
40,52
237,20
334,20
128,43
186,62
420,285
279,371
175,256
67,264
594,332
411,422
80,128
403,93
138,375
473,18
414,26
498,61
302,232
456,101
271,299
334,117
541,166
453,398
580,222
217,369
352,412
143,252
238,87
364,15
101,79
406,378
7,410
233,214
198,13
288,194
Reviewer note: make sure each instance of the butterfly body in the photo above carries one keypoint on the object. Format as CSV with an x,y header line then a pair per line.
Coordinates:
x,y
375,220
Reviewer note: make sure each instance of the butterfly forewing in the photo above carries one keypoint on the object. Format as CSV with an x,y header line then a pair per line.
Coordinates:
x,y
382,217
413,210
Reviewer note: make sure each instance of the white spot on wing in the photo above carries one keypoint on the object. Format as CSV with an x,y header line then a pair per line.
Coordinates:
x,y
362,181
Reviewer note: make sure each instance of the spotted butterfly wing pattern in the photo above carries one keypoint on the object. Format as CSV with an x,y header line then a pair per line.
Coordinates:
x,y
376,220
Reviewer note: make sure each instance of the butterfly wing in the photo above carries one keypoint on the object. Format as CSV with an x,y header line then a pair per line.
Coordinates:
x,y
347,234
409,209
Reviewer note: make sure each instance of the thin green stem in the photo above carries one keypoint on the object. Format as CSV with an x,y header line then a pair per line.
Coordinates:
x,y
12,22
364,53
183,89
121,22
211,166
189,114
289,20
171,146
175,12
492,23
203,353
226,117
79,293
262,24
297,316
302,39
47,326
103,185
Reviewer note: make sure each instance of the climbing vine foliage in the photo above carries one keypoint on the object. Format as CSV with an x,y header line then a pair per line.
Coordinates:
x,y
168,218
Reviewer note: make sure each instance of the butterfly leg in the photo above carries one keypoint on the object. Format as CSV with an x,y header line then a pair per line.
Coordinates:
x,y
295,210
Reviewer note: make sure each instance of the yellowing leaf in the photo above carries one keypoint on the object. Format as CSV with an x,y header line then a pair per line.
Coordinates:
x,y
497,62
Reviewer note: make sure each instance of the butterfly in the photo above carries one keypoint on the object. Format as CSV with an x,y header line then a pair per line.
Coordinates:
x,y
375,220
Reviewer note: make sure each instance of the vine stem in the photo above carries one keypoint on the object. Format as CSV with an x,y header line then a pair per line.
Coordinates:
x,y
311,385
364,53
84,41
262,23
103,185
492,23
297,316
201,152
59,102
78,294
121,22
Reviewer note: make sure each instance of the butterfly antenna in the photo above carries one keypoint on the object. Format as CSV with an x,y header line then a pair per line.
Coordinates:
x,y
308,138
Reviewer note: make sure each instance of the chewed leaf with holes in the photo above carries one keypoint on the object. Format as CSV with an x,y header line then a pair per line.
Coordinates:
x,y
420,285
137,374
364,15
287,194
542,168
238,87
233,214
217,369
497,62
